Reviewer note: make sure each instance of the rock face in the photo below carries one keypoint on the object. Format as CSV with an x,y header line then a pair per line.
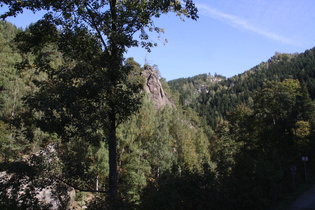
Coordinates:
x,y
154,87
23,186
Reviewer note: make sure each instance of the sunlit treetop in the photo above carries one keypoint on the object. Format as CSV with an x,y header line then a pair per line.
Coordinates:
x,y
110,20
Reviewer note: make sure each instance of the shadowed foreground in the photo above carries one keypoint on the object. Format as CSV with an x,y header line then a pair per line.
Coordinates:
x,y
306,201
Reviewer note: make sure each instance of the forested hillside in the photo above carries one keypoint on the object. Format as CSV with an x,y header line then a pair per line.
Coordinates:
x,y
213,143
215,96
48,127
263,122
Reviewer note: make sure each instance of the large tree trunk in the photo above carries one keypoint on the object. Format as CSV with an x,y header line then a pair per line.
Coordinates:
x,y
115,60
112,147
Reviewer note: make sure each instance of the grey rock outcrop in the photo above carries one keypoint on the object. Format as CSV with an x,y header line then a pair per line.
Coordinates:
x,y
154,88
23,186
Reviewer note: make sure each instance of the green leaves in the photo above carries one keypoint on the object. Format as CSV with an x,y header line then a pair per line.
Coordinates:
x,y
89,89
276,101
96,16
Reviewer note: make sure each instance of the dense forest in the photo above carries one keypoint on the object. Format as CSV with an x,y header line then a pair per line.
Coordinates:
x,y
218,144
213,96
47,140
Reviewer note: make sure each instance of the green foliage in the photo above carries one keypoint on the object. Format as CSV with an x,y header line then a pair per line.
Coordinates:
x,y
95,34
66,97
152,141
221,96
15,83
8,54
266,133
81,94
6,141
225,148
10,84
184,190
270,138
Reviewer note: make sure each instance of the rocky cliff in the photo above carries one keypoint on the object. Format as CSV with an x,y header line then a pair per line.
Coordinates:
x,y
154,87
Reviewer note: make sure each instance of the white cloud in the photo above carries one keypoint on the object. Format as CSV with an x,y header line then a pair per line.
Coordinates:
x,y
241,23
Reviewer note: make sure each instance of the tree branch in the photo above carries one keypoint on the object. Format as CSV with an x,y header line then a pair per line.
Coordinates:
x,y
93,23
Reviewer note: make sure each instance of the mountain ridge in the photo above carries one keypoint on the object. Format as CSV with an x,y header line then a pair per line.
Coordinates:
x,y
224,95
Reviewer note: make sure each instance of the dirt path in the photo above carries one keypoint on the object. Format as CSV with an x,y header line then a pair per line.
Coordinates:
x,y
306,201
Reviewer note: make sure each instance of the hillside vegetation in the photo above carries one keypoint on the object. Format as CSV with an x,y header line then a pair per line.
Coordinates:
x,y
215,96
214,143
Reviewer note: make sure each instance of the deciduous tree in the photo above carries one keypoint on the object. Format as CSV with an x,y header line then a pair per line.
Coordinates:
x,y
111,26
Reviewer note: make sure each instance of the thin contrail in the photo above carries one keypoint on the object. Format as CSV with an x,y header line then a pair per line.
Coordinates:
x,y
240,23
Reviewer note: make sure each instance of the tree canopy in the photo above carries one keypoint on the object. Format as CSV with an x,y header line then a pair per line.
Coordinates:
x,y
95,34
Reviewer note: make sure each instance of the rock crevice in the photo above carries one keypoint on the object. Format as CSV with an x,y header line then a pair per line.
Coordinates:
x,y
154,87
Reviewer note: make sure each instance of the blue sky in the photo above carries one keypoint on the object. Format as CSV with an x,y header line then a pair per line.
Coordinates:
x,y
230,37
